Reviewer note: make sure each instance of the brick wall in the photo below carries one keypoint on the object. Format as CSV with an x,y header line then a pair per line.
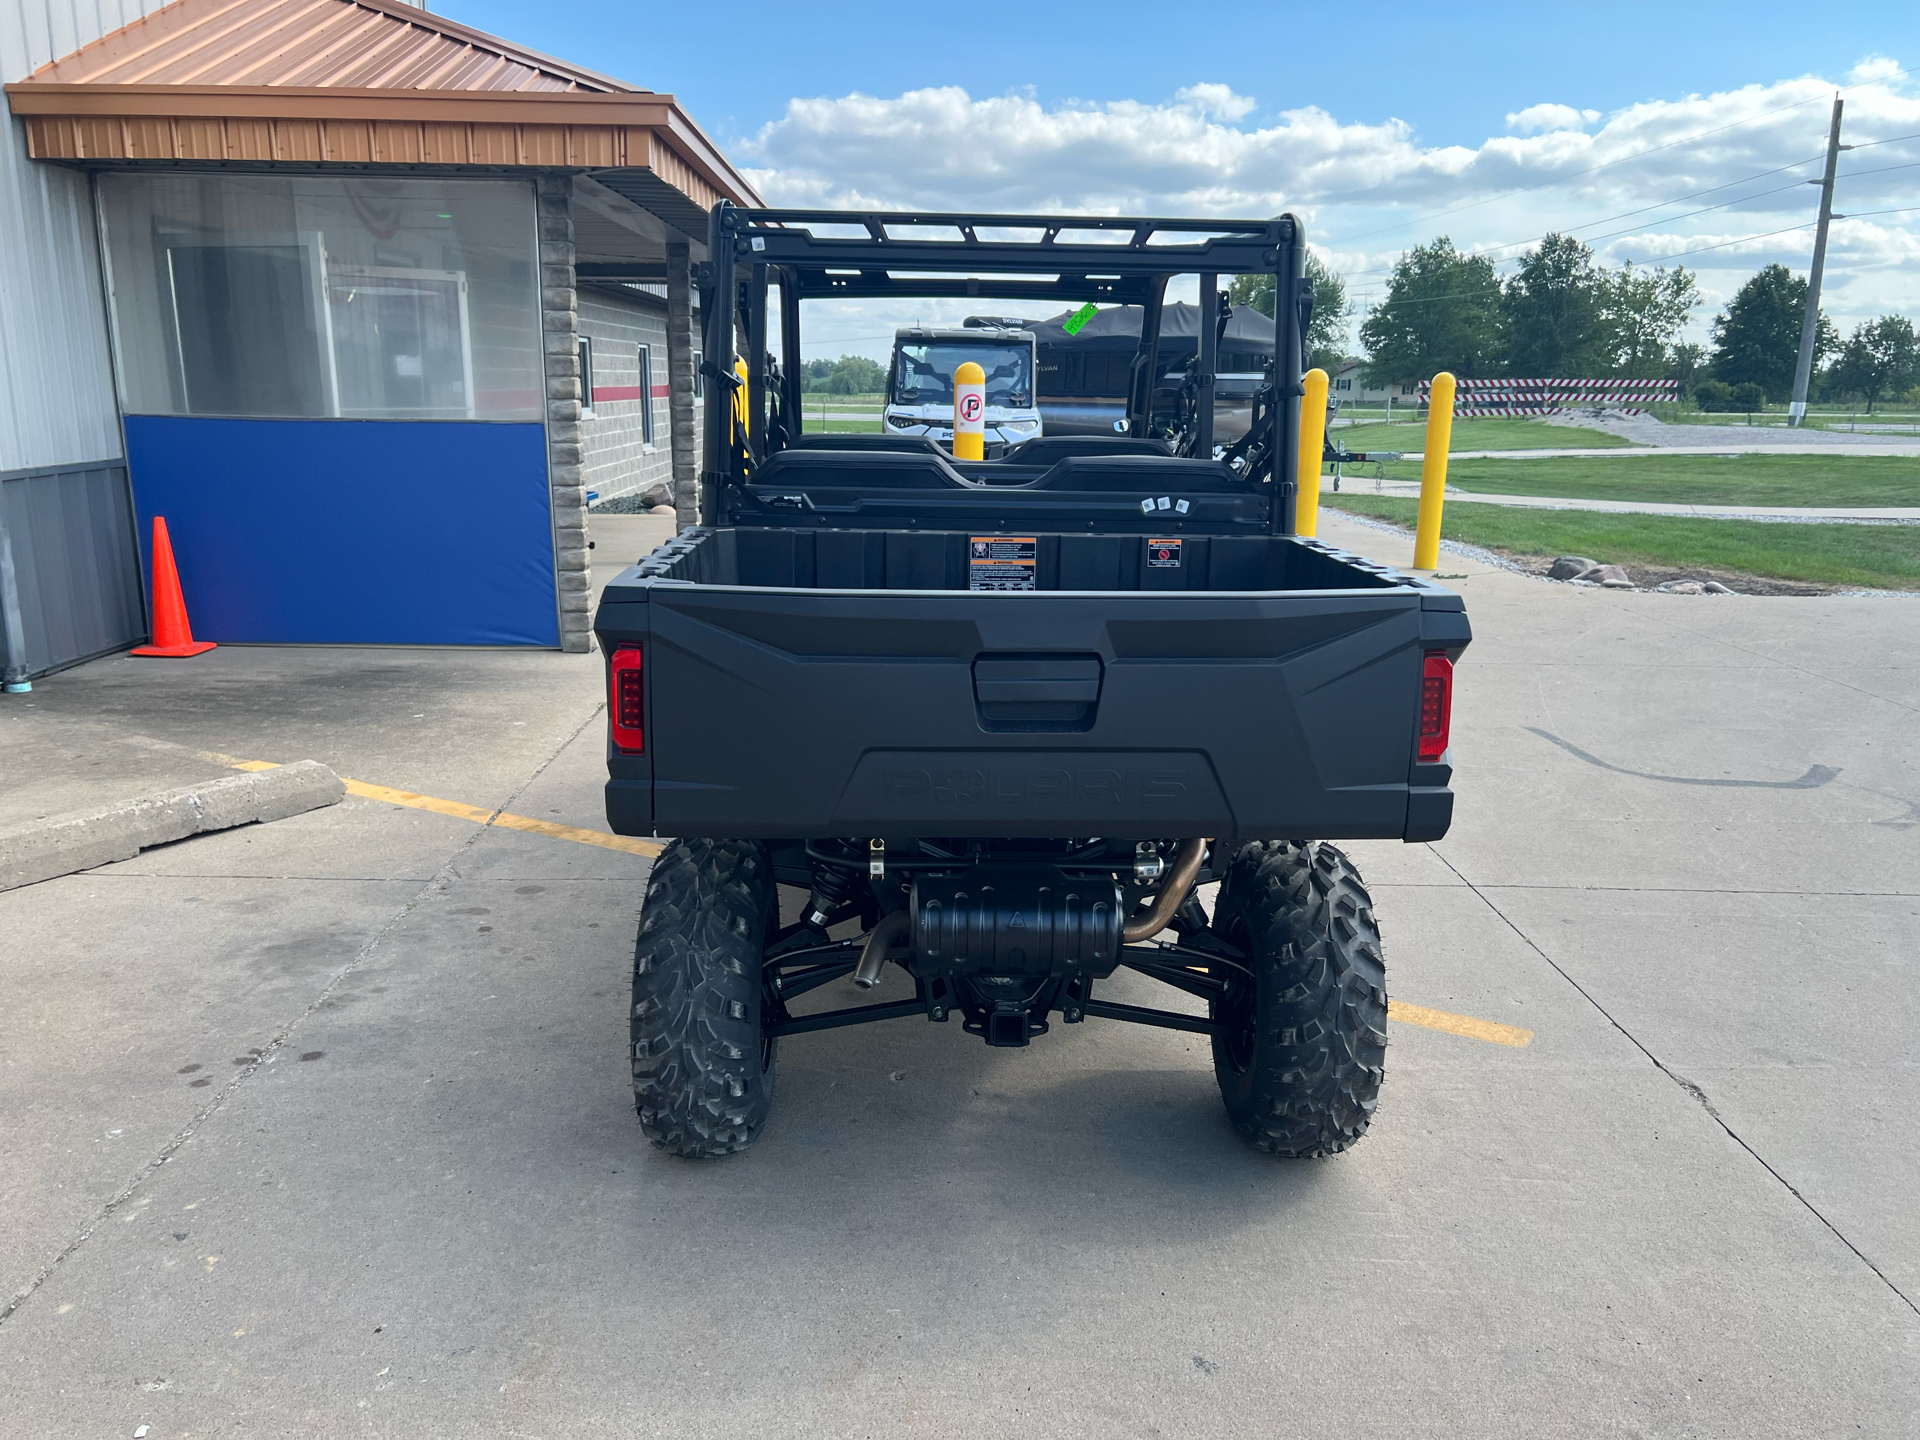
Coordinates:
x,y
615,456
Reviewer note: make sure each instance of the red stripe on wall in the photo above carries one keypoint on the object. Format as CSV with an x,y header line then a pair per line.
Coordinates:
x,y
662,392
617,392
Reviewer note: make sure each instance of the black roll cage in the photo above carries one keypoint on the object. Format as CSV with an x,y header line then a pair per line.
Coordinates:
x,y
750,250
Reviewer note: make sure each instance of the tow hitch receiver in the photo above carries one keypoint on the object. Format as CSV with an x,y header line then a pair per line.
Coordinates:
x,y
1006,938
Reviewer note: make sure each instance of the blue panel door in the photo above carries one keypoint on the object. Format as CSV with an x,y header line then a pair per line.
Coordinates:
x,y
352,532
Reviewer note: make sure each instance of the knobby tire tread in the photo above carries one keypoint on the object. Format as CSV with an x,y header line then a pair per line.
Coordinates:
x,y
699,1083
1308,1083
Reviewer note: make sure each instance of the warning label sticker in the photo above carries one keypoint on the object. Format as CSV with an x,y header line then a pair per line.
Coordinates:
x,y
1163,554
1002,562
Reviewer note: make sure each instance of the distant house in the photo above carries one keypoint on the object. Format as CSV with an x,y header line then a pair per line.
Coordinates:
x,y
1349,385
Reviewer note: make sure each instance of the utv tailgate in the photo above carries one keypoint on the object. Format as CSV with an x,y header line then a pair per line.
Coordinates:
x,y
786,712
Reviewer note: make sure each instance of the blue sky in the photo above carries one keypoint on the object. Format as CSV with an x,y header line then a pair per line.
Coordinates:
x,y
1380,125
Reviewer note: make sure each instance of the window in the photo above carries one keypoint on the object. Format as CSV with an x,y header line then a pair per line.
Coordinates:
x,y
699,380
1343,384
646,394
357,297
586,378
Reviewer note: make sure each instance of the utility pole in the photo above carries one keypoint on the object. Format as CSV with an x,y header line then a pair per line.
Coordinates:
x,y
1810,327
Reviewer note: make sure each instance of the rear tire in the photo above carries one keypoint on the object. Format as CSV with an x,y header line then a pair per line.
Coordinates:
x,y
1303,1046
703,1070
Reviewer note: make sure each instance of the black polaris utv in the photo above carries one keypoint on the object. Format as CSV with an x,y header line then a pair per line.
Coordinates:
x,y
1009,715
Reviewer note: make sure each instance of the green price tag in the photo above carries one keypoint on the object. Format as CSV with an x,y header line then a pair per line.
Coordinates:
x,y
1077,321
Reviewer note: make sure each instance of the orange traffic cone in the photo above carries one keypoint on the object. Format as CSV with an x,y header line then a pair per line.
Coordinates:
x,y
172,635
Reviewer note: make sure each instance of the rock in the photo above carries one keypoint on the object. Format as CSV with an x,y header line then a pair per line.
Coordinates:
x,y
1570,567
1610,576
656,495
1714,587
1681,587
659,510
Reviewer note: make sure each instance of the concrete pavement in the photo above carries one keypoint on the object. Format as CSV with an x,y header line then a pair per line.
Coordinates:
x,y
324,1127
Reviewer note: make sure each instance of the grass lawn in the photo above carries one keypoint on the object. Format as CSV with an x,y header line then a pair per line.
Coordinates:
x,y
1478,435
816,398
836,426
1826,480
1885,557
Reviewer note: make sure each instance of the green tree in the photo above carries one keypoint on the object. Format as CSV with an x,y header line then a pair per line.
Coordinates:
x,y
1756,338
1881,357
1553,312
1442,312
849,375
1643,312
1687,363
1327,331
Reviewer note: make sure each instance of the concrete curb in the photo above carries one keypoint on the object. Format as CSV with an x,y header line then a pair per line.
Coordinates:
x,y
62,844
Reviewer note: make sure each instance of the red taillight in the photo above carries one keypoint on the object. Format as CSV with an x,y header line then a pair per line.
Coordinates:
x,y
1436,705
627,700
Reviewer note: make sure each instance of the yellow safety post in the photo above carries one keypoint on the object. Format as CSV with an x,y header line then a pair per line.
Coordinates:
x,y
1433,473
969,412
1313,440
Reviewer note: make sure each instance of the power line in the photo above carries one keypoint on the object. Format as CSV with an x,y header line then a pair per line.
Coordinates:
x,y
1904,210
1676,219
1661,205
1591,169
1741,241
1890,140
1910,165
1684,140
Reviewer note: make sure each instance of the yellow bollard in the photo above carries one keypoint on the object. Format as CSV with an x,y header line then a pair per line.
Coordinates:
x,y
969,412
1433,473
1313,440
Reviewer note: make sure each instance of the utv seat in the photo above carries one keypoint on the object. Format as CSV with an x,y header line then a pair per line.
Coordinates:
x,y
1045,451
810,469
1142,474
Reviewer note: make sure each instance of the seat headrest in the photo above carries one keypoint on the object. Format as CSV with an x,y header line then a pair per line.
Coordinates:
x,y
1139,474
858,470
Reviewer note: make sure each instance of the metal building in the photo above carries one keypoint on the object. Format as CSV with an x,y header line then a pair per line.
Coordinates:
x,y
305,278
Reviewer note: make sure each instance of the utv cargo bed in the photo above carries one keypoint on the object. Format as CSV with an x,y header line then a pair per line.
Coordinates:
x,y
849,682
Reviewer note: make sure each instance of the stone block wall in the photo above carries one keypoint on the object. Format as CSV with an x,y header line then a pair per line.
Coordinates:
x,y
560,327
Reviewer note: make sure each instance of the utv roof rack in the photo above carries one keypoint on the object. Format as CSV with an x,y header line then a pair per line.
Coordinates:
x,y
860,260
899,254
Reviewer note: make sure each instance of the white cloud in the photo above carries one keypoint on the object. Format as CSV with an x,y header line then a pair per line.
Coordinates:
x,y
1536,118
1216,100
1366,191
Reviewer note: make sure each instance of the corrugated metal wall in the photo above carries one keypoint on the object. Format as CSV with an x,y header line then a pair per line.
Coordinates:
x,y
56,382
71,534
62,481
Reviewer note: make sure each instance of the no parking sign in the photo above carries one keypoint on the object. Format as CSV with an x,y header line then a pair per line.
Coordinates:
x,y
969,412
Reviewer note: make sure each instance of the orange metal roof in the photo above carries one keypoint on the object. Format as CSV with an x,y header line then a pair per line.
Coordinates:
x,y
353,44
355,82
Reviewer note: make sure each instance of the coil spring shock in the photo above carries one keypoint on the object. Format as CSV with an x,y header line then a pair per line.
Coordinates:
x,y
830,887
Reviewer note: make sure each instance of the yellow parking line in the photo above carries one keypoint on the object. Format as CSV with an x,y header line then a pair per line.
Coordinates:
x,y
419,802
579,836
459,811
1491,1031
1465,1025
